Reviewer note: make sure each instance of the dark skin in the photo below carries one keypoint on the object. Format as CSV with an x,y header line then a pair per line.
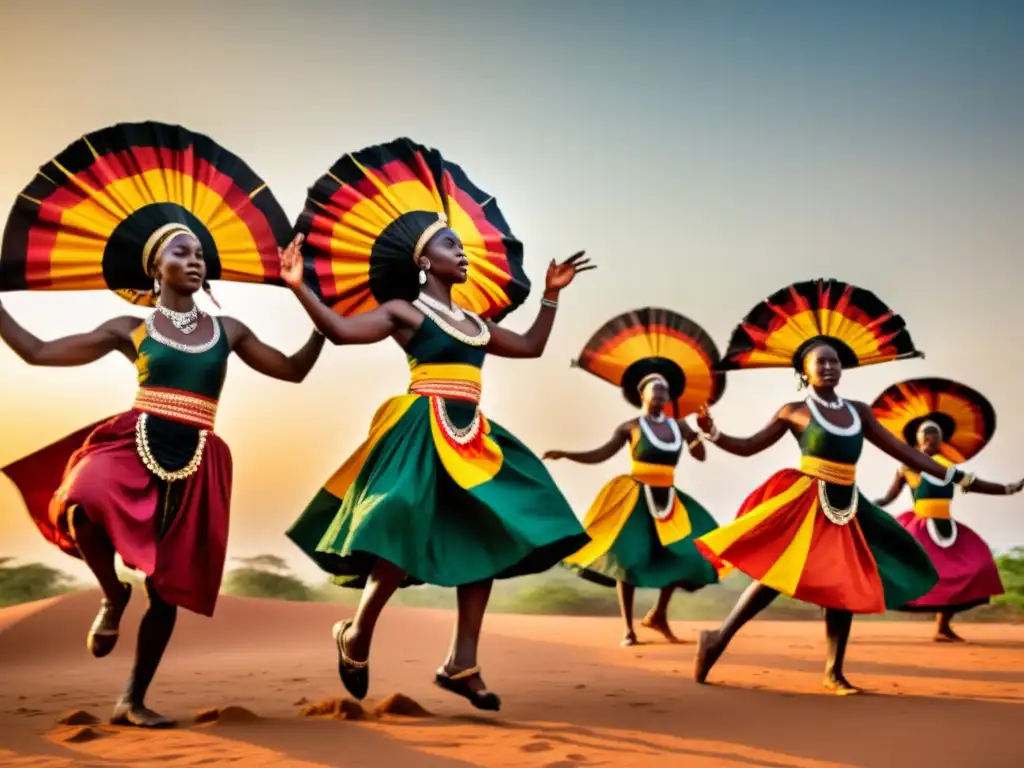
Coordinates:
x,y
929,442
654,399
823,371
445,263
181,271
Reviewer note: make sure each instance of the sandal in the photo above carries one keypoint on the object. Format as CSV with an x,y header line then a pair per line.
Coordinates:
x,y
458,684
105,629
139,716
355,675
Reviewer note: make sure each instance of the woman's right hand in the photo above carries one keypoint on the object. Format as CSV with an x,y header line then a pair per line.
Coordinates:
x,y
704,421
291,262
553,455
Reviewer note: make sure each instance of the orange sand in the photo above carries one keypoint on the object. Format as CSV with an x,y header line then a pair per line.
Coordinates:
x,y
572,697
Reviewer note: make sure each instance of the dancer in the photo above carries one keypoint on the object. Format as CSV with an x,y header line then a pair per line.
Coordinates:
x,y
641,527
807,532
437,494
951,423
152,211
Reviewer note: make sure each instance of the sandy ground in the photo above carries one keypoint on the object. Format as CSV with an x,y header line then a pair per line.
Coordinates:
x,y
572,697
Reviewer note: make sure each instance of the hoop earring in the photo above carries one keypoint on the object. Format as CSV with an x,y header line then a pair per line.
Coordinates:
x,y
156,286
802,381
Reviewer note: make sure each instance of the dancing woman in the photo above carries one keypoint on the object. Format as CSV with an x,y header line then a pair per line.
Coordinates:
x,y
152,211
641,526
807,532
951,423
438,493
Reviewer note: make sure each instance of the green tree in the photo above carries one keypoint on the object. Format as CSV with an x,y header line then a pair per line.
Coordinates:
x,y
32,581
1011,569
265,576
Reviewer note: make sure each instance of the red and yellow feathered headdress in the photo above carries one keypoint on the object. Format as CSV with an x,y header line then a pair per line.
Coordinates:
x,y
965,417
368,217
90,218
856,323
634,346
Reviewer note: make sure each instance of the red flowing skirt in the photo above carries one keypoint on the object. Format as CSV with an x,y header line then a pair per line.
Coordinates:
x,y
98,470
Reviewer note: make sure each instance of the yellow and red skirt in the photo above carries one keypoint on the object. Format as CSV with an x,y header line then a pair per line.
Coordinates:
x,y
647,548
783,538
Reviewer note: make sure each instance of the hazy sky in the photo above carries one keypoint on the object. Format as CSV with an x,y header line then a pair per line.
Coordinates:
x,y
705,154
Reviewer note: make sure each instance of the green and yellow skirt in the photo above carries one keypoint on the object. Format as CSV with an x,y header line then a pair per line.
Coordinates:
x,y
446,495
632,545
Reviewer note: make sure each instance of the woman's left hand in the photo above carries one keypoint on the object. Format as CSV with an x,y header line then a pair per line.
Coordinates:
x,y
291,262
560,275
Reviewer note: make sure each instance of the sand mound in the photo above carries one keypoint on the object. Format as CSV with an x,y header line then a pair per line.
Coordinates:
x,y
230,714
340,709
78,717
400,705
78,734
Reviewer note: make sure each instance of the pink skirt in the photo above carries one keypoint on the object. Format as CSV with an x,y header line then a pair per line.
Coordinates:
x,y
99,470
968,575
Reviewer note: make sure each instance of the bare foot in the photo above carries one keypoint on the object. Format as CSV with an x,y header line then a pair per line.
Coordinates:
x,y
660,625
947,635
139,716
628,639
709,649
840,686
106,627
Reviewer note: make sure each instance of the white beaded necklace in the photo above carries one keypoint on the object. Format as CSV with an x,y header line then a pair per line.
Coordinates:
x,y
454,311
480,340
657,442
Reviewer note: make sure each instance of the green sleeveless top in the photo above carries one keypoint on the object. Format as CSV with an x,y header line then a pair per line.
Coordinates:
x,y
429,346
650,449
164,363
823,440
922,488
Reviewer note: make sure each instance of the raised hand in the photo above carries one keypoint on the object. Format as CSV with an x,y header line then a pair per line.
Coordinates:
x,y
704,421
560,275
553,455
291,262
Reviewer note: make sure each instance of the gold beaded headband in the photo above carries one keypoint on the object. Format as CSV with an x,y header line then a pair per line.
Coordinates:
x,y
650,379
429,232
158,241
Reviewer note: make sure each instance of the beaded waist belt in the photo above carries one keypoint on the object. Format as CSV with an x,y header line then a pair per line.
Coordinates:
x,y
829,471
655,475
177,405
937,509
452,381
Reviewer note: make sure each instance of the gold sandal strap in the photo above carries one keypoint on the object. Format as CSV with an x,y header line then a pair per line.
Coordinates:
x,y
465,673
339,637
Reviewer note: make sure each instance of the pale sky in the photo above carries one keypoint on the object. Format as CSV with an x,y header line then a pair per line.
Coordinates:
x,y
705,155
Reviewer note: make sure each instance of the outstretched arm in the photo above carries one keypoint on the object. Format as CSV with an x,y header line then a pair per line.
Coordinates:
x,y
367,328
694,444
747,446
884,440
619,438
894,490
79,349
269,361
986,488
506,343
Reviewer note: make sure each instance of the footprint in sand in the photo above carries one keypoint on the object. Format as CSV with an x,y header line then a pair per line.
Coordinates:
x,y
78,717
81,734
229,714
536,746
